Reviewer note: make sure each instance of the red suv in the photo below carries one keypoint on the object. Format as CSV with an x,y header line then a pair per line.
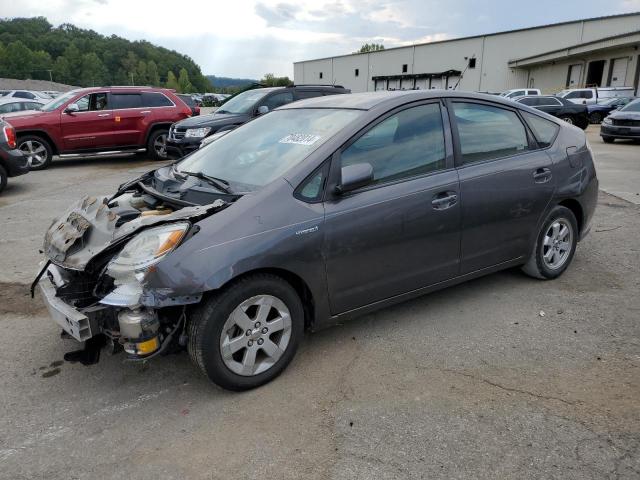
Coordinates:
x,y
99,120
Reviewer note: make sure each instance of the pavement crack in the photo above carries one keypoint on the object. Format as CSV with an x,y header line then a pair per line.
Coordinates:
x,y
512,389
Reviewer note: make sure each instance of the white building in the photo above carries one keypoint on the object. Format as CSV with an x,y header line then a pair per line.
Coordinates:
x,y
602,51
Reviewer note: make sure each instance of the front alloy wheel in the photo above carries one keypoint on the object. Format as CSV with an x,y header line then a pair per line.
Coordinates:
x,y
37,151
245,335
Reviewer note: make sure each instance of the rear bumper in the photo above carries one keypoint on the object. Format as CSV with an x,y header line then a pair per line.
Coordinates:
x,y
14,161
619,132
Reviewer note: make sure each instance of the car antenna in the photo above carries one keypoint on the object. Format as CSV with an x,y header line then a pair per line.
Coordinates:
x,y
455,87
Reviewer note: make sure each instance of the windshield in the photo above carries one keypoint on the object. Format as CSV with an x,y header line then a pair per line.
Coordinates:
x,y
262,150
244,102
56,102
631,107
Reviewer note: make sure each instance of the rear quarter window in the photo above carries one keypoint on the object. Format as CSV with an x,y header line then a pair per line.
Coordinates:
x,y
544,130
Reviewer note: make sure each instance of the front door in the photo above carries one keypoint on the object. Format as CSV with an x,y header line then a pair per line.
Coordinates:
x,y
505,183
401,232
91,127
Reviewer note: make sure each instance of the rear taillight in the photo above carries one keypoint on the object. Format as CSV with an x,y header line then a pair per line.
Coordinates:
x,y
10,135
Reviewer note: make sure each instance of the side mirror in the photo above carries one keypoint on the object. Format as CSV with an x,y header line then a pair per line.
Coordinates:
x,y
262,109
72,108
355,176
584,102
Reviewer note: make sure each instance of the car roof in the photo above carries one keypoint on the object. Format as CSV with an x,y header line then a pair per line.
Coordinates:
x,y
370,100
4,100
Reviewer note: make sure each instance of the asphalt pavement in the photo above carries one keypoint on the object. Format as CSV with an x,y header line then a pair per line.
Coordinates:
x,y
503,377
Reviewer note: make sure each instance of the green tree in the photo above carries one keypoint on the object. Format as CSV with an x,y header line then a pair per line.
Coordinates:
x,y
152,73
373,47
270,80
16,61
93,72
141,73
184,85
172,81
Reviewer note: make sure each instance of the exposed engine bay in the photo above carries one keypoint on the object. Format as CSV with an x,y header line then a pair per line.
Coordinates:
x,y
100,252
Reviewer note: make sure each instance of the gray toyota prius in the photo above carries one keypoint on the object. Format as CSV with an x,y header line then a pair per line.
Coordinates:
x,y
319,211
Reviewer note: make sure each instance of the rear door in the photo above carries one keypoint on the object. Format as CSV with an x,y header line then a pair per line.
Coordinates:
x,y
402,231
506,183
91,127
129,118
550,105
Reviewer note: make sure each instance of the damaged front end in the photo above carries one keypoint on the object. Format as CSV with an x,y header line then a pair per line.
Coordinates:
x,y
99,256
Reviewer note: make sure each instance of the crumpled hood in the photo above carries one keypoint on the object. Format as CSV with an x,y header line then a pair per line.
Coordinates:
x,y
212,120
89,227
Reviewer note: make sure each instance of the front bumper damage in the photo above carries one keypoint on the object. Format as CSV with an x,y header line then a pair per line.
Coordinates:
x,y
86,303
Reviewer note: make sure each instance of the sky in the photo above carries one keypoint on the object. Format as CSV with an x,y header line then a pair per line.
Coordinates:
x,y
248,38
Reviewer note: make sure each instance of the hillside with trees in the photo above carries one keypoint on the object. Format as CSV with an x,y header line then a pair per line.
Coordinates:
x,y
32,48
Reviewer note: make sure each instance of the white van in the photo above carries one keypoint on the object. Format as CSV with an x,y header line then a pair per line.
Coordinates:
x,y
589,96
520,92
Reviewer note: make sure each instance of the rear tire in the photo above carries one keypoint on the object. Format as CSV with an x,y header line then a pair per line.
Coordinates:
x,y
38,151
3,178
157,144
555,245
608,139
233,341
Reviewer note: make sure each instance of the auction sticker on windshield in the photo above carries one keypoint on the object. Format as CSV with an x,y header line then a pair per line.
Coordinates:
x,y
300,139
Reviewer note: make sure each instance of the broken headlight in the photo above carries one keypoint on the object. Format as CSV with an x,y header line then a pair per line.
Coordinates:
x,y
146,249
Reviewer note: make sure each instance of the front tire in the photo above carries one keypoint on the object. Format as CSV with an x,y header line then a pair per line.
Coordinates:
x,y
595,117
608,139
568,119
157,144
37,150
555,245
246,335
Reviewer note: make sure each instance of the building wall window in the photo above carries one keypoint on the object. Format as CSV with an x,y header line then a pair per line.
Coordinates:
x,y
320,74
405,68
472,63
357,72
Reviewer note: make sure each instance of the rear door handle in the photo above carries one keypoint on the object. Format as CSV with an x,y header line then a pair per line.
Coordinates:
x,y
444,200
104,114
146,111
542,175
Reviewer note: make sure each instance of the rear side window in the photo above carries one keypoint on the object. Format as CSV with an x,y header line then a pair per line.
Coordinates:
x,y
126,100
544,130
530,101
488,132
406,144
151,99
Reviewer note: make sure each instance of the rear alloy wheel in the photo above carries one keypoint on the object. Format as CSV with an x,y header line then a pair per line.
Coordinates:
x,y
555,245
157,145
37,150
3,178
246,335
595,117
568,119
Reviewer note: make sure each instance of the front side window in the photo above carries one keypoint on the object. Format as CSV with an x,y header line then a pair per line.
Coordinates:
x,y
488,132
544,130
92,102
406,144
266,148
20,94
549,102
573,95
277,100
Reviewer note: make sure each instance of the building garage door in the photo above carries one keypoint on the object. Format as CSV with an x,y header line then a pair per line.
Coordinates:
x,y
394,84
575,71
452,82
619,72
381,84
406,84
422,83
436,82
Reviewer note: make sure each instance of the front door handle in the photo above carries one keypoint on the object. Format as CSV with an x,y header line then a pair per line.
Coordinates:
x,y
542,175
145,111
104,114
444,200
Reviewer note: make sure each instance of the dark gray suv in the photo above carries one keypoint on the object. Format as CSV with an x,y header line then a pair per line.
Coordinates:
x,y
314,213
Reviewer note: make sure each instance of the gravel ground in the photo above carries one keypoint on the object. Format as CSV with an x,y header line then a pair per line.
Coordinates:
x,y
502,377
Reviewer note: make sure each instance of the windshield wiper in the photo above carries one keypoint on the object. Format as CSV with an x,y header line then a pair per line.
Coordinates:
x,y
219,183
